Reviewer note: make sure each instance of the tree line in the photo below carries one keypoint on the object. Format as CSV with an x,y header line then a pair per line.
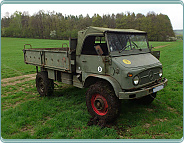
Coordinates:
x,y
53,25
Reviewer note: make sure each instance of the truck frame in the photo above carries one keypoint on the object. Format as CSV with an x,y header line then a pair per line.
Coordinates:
x,y
113,64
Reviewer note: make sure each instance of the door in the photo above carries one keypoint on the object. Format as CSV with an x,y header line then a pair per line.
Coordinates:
x,y
93,64
93,55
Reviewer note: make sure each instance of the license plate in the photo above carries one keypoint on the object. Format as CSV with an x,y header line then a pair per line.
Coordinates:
x,y
158,88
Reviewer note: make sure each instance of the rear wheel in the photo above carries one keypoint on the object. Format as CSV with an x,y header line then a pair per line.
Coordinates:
x,y
44,85
102,102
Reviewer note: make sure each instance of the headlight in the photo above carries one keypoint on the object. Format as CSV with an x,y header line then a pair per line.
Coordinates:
x,y
160,73
136,80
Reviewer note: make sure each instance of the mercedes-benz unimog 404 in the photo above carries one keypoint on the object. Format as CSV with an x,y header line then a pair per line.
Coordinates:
x,y
113,64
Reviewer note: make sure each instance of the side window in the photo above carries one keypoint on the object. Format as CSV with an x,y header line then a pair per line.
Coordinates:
x,y
100,40
88,46
103,44
91,42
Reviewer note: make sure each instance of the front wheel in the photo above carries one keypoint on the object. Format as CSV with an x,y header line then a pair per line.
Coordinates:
x,y
102,102
44,85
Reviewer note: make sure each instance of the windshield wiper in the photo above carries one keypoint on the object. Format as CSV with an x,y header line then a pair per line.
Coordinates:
x,y
136,45
124,48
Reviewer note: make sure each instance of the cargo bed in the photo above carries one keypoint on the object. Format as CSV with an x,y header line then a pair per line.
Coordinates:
x,y
50,58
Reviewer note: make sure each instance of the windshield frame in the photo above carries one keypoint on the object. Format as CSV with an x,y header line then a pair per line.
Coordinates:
x,y
128,52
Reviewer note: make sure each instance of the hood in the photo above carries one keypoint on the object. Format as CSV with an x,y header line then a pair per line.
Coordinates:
x,y
135,61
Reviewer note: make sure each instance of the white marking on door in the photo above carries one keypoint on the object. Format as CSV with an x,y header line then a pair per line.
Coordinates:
x,y
99,69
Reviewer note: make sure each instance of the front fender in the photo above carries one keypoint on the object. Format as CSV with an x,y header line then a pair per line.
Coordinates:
x,y
114,83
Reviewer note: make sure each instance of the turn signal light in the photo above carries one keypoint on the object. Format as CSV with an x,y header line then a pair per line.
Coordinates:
x,y
129,74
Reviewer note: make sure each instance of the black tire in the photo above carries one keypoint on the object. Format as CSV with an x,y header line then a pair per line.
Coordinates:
x,y
102,102
44,85
146,100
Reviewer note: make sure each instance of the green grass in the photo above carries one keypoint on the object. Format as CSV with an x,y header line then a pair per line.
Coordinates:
x,y
26,115
156,44
12,59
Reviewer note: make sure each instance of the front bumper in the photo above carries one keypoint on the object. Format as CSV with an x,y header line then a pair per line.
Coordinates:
x,y
143,91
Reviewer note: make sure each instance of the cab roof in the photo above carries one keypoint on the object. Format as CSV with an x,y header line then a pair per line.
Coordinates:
x,y
100,31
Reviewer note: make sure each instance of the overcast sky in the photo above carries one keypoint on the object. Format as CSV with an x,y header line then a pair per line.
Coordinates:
x,y
174,11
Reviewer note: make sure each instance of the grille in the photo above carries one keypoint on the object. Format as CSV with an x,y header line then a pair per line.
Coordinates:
x,y
149,75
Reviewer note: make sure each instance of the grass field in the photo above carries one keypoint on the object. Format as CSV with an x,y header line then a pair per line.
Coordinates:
x,y
64,115
12,59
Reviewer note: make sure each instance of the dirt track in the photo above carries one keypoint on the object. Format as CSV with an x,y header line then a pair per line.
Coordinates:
x,y
17,79
161,46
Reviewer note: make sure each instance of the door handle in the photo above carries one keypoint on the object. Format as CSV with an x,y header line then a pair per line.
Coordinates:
x,y
84,61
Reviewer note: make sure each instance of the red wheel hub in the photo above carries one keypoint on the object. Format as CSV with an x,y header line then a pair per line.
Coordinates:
x,y
99,104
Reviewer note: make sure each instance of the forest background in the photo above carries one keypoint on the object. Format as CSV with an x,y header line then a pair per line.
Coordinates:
x,y
53,25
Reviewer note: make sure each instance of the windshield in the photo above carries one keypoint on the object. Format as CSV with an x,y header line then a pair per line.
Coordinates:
x,y
126,42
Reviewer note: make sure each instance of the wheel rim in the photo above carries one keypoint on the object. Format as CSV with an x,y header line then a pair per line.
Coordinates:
x,y
41,85
99,104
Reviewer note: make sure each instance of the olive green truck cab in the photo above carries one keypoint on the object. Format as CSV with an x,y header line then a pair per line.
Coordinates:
x,y
112,63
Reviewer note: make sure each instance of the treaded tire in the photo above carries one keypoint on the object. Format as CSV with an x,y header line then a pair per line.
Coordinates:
x,y
101,93
146,100
44,85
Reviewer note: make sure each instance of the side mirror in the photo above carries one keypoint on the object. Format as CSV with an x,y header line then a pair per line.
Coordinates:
x,y
99,50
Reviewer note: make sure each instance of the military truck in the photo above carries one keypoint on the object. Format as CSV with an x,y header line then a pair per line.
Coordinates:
x,y
113,64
